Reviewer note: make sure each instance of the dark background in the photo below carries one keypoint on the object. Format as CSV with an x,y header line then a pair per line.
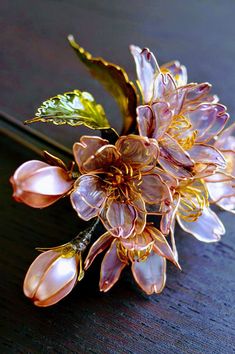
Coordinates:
x,y
195,313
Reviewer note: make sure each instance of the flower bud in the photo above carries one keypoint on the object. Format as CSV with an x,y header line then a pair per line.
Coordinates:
x,y
52,276
39,185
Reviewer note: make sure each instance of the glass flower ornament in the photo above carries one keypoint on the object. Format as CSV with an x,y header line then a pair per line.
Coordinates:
x,y
171,163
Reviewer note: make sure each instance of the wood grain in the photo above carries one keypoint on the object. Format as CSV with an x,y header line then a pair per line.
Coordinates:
x,y
195,313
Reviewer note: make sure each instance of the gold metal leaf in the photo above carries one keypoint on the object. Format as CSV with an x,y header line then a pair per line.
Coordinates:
x,y
115,80
73,108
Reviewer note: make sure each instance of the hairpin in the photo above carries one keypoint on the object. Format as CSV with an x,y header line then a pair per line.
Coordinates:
x,y
171,163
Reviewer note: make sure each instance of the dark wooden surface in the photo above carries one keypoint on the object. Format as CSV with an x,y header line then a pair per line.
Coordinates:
x,y
195,313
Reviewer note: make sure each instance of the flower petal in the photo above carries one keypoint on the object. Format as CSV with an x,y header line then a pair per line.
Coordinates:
x,y
36,271
153,122
86,148
161,246
119,218
169,215
34,200
162,117
91,188
208,119
150,275
194,93
53,299
139,205
147,69
146,121
153,189
222,190
50,180
88,196
84,210
207,154
111,268
102,159
137,150
207,228
163,86
97,247
28,168
174,159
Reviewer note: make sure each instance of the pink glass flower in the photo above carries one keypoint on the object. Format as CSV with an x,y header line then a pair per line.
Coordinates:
x,y
147,252
51,277
39,185
221,185
182,117
119,183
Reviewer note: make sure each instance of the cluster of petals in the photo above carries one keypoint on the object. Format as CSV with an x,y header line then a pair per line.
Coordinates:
x,y
187,122
119,183
181,162
147,252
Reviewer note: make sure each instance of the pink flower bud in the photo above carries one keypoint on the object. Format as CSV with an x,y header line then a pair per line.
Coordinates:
x,y
51,277
39,185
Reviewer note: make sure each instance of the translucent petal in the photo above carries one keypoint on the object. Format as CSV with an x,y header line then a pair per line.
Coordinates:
x,y
86,148
28,168
97,247
164,84
207,228
207,154
139,242
161,246
50,180
174,159
36,271
34,200
111,268
119,218
208,119
150,275
222,190
137,150
195,93
163,118
102,159
147,69
153,122
153,189
53,299
169,216
139,205
146,121
92,189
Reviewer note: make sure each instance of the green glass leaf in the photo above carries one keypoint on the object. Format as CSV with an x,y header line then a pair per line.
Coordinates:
x,y
73,108
115,80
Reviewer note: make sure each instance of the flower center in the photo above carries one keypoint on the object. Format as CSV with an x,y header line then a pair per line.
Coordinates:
x,y
135,255
122,179
193,199
180,130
